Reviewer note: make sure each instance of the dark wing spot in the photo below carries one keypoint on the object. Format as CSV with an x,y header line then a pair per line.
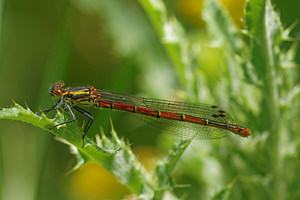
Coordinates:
x,y
216,116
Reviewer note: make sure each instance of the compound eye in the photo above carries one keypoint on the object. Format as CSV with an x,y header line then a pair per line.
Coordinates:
x,y
58,92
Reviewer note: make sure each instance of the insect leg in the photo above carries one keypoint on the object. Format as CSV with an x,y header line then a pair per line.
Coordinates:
x,y
72,115
88,125
56,106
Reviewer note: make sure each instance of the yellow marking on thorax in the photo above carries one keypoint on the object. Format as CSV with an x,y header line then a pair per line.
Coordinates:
x,y
79,92
74,93
82,99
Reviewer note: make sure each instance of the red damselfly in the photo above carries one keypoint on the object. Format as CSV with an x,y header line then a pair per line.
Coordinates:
x,y
199,121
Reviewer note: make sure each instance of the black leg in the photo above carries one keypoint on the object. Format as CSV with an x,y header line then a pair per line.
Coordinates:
x,y
72,115
88,125
82,111
87,114
58,105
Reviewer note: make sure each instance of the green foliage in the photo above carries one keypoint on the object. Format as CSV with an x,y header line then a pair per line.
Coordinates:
x,y
171,34
113,154
224,192
165,168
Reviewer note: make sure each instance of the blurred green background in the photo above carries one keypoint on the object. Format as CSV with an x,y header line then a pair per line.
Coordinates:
x,y
112,45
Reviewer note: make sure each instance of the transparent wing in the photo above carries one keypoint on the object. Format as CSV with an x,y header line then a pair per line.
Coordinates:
x,y
174,127
206,111
185,129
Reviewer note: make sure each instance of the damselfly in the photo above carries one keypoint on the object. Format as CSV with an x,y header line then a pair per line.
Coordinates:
x,y
199,121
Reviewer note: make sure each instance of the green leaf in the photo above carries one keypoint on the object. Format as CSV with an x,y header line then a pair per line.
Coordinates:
x,y
170,32
222,29
224,192
114,155
266,33
164,169
255,10
265,30
221,26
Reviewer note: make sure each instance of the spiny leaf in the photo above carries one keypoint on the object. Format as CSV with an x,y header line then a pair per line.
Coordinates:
x,y
113,155
164,169
265,29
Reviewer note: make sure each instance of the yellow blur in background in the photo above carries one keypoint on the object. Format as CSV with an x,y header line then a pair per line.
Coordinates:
x,y
191,10
93,182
